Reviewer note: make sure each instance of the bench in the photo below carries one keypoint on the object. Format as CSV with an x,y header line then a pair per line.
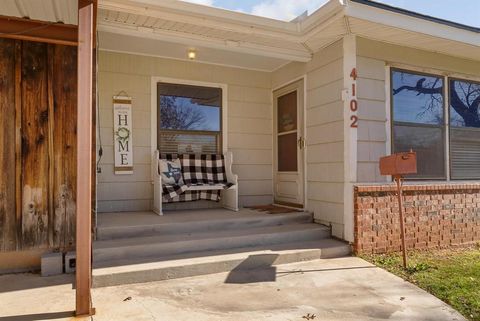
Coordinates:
x,y
226,191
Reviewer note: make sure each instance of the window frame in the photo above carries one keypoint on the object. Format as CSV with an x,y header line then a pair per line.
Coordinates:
x,y
443,126
457,78
154,109
217,134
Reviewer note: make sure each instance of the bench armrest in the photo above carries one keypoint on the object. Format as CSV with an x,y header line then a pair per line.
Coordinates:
x,y
231,178
157,184
154,172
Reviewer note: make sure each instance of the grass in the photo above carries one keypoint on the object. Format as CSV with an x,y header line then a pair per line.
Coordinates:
x,y
451,275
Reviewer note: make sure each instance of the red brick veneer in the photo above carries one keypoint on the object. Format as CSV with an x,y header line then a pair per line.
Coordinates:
x,y
436,215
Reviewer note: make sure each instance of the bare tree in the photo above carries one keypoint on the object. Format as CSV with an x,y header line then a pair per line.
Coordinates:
x,y
464,98
178,114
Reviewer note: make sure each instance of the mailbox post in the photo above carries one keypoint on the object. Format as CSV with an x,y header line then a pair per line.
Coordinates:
x,y
398,165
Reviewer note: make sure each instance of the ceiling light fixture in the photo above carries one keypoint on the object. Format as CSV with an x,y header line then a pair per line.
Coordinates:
x,y
191,54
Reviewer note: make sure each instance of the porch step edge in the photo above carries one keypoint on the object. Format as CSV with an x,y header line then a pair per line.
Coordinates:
x,y
105,233
195,242
210,262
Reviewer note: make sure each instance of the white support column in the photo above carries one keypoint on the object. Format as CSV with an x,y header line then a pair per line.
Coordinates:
x,y
350,115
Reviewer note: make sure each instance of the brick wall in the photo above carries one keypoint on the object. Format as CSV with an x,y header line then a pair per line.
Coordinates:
x,y
436,216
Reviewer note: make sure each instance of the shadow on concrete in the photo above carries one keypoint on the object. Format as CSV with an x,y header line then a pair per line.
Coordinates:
x,y
10,282
39,316
254,269
300,271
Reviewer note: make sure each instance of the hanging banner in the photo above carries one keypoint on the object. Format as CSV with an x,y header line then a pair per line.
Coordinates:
x,y
122,134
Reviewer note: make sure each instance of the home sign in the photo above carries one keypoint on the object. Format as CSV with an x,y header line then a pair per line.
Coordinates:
x,y
122,135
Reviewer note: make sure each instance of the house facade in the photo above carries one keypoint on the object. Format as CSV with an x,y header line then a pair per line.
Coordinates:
x,y
306,107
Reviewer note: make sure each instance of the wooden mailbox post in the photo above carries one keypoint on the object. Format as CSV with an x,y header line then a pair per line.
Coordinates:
x,y
398,165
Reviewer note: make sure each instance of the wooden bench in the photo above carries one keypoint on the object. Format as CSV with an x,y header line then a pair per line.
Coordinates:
x,y
228,199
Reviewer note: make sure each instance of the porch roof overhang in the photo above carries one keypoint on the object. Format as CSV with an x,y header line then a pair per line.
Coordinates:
x,y
248,41
168,28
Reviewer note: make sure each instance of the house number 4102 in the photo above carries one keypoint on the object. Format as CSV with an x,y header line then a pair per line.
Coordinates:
x,y
353,101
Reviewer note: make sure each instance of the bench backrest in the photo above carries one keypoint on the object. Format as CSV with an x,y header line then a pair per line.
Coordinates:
x,y
200,168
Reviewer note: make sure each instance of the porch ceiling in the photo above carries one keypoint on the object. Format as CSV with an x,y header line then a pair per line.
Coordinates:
x,y
169,28
248,41
44,10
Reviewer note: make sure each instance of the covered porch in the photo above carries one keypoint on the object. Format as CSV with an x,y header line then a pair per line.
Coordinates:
x,y
256,110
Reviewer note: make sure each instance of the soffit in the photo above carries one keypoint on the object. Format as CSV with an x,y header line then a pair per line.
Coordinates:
x,y
402,37
44,10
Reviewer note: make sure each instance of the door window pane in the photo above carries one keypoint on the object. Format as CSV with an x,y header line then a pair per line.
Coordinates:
x,y
287,153
287,112
428,142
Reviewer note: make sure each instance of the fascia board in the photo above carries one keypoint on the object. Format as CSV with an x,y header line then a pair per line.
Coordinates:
x,y
324,13
412,24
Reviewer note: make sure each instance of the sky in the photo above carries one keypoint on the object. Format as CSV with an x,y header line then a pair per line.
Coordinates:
x,y
462,11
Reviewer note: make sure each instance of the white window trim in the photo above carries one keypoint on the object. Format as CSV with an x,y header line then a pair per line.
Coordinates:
x,y
446,75
154,107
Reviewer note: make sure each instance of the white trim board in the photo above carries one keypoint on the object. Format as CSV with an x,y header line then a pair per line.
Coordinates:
x,y
350,136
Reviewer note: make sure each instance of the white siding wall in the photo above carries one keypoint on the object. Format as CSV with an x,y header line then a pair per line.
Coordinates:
x,y
372,116
324,132
372,59
249,126
325,168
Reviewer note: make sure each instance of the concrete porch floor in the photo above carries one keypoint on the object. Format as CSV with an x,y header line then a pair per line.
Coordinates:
x,y
333,289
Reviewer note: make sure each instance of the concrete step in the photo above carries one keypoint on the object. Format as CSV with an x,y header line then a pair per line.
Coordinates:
x,y
150,226
128,271
166,245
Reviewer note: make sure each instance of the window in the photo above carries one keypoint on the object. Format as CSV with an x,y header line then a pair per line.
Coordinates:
x,y
189,119
464,129
418,120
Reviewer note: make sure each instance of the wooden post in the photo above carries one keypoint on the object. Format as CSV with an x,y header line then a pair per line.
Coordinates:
x,y
84,155
398,180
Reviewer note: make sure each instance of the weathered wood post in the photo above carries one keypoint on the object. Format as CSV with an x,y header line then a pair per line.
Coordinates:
x,y
86,11
398,165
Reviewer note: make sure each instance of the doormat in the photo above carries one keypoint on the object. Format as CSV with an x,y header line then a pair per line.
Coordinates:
x,y
273,209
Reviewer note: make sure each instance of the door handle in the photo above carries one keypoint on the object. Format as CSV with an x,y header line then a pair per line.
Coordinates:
x,y
301,143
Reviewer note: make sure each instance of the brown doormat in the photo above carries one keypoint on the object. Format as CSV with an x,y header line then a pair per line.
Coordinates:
x,y
274,209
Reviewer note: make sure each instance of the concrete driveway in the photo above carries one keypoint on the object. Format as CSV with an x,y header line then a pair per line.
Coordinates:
x,y
331,289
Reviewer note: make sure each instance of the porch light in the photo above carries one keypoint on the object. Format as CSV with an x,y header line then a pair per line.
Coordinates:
x,y
191,54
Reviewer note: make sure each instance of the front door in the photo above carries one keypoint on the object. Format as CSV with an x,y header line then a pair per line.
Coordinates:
x,y
289,145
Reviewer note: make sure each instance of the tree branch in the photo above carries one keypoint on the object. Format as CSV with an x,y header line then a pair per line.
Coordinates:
x,y
419,88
